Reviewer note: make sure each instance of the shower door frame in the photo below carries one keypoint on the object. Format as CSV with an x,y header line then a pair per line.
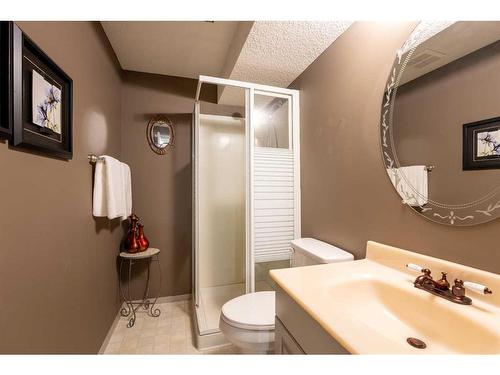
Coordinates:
x,y
251,89
195,287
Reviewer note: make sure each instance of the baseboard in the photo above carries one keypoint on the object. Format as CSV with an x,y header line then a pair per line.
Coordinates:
x,y
166,299
110,332
180,297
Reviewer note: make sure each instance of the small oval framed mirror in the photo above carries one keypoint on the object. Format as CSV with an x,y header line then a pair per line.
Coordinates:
x,y
160,134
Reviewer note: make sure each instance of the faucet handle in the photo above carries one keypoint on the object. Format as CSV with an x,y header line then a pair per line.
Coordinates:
x,y
443,283
458,289
415,267
458,292
478,288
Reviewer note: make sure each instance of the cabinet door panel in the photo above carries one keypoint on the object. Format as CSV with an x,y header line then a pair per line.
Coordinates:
x,y
284,343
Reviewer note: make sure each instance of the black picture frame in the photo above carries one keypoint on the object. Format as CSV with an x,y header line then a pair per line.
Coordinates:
x,y
6,79
471,132
27,57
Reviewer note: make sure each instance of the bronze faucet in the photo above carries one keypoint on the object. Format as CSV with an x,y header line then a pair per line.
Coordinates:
x,y
441,287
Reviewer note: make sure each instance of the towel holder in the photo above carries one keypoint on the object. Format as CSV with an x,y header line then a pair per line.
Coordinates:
x,y
94,158
429,168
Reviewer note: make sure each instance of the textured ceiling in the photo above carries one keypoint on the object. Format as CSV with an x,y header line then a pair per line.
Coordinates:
x,y
424,30
267,52
277,52
449,44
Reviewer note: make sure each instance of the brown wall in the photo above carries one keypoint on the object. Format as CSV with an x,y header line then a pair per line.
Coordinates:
x,y
58,282
161,185
429,114
347,197
57,266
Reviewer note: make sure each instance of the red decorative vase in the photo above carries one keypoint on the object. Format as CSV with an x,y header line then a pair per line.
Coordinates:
x,y
133,246
143,241
132,240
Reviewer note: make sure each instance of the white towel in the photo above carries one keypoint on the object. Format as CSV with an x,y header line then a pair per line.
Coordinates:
x,y
127,183
411,184
112,189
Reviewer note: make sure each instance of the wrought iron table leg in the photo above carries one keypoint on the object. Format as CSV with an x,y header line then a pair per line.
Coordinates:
x,y
124,311
131,321
145,300
155,312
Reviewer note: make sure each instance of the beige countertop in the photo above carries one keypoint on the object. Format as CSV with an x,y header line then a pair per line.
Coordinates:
x,y
370,306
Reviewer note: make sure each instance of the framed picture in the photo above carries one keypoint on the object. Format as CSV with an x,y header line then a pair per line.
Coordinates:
x,y
5,79
481,144
42,100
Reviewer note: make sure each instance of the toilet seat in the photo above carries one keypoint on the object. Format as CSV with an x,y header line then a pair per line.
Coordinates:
x,y
248,321
252,311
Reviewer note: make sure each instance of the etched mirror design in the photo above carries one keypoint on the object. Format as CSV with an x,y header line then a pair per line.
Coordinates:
x,y
160,134
440,122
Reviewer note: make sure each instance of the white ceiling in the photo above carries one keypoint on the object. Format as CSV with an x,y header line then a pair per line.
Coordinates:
x,y
268,52
277,52
175,48
449,44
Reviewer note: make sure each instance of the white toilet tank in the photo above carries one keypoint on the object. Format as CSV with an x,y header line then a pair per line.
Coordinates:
x,y
310,251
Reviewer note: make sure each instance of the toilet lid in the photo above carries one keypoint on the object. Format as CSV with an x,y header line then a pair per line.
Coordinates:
x,y
251,311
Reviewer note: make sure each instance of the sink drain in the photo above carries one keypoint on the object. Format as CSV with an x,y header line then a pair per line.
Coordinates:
x,y
416,343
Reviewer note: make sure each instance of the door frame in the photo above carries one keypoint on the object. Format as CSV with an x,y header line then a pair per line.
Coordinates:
x,y
195,287
294,124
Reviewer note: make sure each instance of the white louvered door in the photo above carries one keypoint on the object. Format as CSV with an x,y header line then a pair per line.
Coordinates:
x,y
274,204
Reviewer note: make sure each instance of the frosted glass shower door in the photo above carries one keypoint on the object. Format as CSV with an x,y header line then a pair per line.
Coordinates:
x,y
275,214
221,215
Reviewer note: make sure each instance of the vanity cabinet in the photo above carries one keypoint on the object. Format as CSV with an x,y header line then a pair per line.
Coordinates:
x,y
296,332
284,343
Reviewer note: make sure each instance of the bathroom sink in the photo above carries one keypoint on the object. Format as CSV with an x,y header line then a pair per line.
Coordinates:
x,y
371,306
403,312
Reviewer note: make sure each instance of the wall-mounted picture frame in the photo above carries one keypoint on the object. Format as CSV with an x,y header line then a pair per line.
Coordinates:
x,y
481,144
6,79
42,100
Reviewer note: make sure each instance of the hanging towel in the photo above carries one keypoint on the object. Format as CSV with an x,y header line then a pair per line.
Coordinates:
x,y
411,184
112,189
127,183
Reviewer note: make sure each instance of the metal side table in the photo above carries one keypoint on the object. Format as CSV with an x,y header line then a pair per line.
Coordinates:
x,y
150,255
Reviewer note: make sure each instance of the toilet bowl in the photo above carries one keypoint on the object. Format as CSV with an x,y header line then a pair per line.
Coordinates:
x,y
247,321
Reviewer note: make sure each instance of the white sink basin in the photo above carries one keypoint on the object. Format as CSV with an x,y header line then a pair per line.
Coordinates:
x,y
402,314
371,305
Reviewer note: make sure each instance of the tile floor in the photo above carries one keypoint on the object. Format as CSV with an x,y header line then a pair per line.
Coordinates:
x,y
170,333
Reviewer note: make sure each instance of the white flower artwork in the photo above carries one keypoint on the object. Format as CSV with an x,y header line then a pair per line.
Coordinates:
x,y
488,143
46,103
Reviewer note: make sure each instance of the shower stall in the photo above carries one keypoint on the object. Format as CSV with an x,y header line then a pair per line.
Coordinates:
x,y
246,193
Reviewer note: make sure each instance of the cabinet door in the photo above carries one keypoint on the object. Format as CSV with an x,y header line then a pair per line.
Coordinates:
x,y
284,343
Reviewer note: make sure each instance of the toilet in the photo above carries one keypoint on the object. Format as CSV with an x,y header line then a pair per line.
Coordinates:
x,y
247,321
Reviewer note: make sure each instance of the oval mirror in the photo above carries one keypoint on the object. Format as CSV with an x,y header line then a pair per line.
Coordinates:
x,y
160,134
440,122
